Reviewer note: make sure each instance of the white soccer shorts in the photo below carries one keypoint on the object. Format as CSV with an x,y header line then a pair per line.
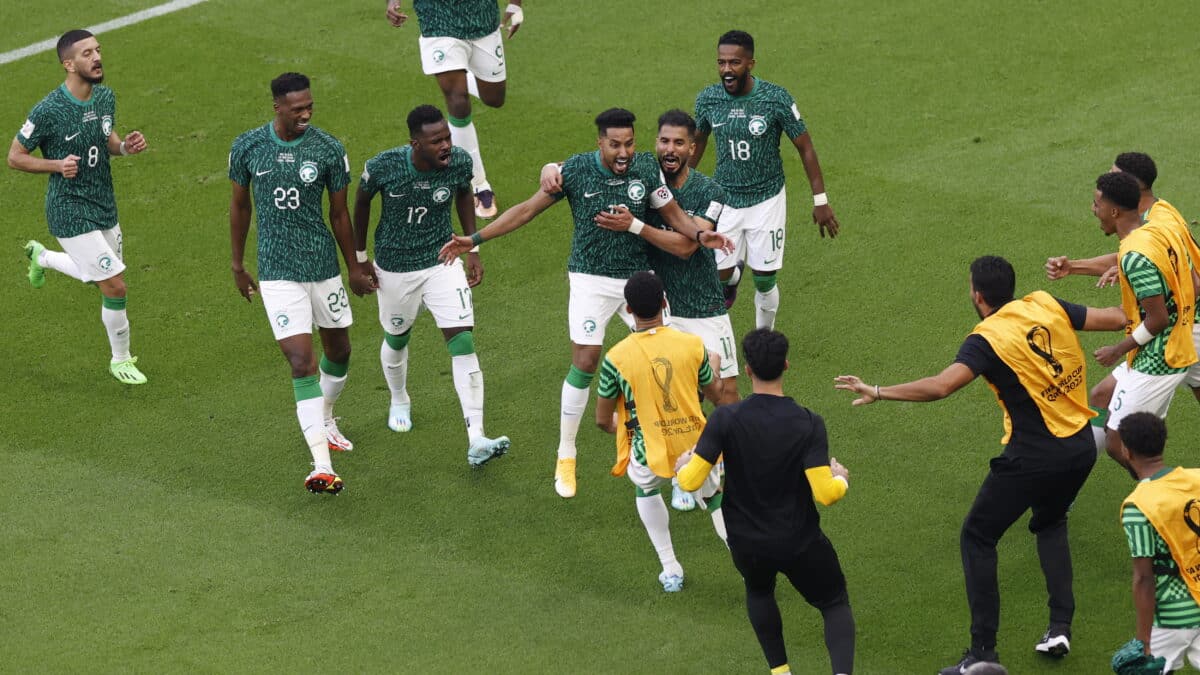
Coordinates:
x,y
98,254
594,300
483,57
1174,643
1139,392
294,306
647,480
1193,374
442,289
758,234
717,334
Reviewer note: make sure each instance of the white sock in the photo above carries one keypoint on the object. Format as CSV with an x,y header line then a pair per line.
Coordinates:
x,y
1101,437
574,401
733,280
718,520
468,382
311,414
116,322
467,139
395,371
60,262
472,84
765,307
331,387
657,520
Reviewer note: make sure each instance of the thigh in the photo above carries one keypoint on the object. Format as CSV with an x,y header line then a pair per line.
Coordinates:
x,y
487,58
1139,392
1058,493
448,296
593,302
443,54
817,574
758,574
93,255
1005,495
331,307
115,240
288,307
399,297
642,477
766,234
731,224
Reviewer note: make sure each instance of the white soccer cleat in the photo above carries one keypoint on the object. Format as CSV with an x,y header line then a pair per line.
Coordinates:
x,y
681,500
484,450
671,583
337,442
400,417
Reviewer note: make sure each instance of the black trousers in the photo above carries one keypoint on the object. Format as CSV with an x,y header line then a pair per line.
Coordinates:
x,y
1013,486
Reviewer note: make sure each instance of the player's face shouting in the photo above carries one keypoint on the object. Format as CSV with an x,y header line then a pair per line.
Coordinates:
x,y
86,61
433,144
674,148
616,149
734,64
1106,212
294,111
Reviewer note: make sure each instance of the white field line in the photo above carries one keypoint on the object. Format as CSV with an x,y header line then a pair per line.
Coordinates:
x,y
101,28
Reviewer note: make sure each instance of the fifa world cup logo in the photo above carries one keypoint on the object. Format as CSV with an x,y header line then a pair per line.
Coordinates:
x,y
1191,514
663,372
1038,338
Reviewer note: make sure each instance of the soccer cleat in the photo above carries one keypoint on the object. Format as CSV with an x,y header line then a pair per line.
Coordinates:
x,y
126,371
484,449
969,658
337,442
564,478
681,500
37,273
485,204
671,583
1056,642
731,291
400,417
326,482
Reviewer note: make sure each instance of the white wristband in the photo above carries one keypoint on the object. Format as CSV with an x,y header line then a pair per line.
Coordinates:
x,y
636,226
820,199
1141,334
360,256
474,249
122,149
518,14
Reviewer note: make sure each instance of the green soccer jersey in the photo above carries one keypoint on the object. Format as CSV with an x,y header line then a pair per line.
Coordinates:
x,y
462,19
62,125
287,179
692,285
1174,606
746,131
415,221
1146,281
590,188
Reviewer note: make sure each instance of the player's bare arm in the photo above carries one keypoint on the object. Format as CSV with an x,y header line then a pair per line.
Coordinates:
x,y
133,143
21,159
551,178
689,227
823,213
362,219
464,203
514,16
362,278
1061,266
1144,600
619,219
933,388
394,15
606,414
1102,319
239,227
1155,319
698,153
512,219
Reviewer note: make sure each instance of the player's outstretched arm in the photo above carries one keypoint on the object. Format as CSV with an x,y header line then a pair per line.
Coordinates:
x,y
512,219
933,388
1061,266
822,213
21,159
239,227
1154,321
514,16
464,203
394,15
133,143
1106,318
693,228
620,219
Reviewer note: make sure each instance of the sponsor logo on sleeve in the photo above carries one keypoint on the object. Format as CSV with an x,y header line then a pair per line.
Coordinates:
x,y
27,128
795,110
713,212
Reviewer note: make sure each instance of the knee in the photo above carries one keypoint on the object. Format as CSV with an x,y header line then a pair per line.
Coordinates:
x,y
493,97
114,287
458,104
300,363
586,361
339,353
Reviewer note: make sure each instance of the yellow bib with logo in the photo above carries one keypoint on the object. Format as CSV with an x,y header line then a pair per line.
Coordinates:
x,y
1034,337
1172,505
662,367
1161,243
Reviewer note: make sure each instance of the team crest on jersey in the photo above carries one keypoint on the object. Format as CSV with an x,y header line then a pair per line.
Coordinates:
x,y
308,171
106,125
441,194
636,191
758,125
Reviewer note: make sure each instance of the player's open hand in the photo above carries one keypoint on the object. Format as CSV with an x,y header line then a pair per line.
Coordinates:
x,y
474,270
457,246
866,392
1109,355
1110,277
245,283
825,220
551,179
836,468
135,142
616,218
69,166
1057,267
394,15
362,279
514,16
716,241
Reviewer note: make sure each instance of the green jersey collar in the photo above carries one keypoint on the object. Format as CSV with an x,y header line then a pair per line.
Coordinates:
x,y
287,144
600,165
753,88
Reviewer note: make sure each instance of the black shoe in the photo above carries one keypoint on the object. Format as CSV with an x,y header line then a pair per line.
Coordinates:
x,y
731,291
1056,642
970,658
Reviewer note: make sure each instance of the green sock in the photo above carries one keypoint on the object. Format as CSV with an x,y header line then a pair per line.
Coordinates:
x,y
459,122
398,342
579,379
763,283
332,368
306,387
461,344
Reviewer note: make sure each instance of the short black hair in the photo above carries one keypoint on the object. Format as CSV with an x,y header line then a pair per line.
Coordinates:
x,y
644,294
1139,165
68,40
288,83
614,118
993,277
420,116
1120,188
766,353
1145,434
739,38
677,118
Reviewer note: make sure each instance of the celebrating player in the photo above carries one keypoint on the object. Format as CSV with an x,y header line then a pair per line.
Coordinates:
x,y
288,164
747,116
418,182
612,185
75,128
461,45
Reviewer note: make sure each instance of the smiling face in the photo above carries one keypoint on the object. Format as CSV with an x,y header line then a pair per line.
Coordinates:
x,y
674,148
734,64
84,61
616,149
432,146
293,111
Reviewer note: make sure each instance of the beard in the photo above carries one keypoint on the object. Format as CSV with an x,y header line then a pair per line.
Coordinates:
x,y
93,80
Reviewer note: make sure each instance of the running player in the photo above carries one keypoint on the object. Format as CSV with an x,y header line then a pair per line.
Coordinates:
x,y
287,165
748,115
418,183
75,128
461,46
615,186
